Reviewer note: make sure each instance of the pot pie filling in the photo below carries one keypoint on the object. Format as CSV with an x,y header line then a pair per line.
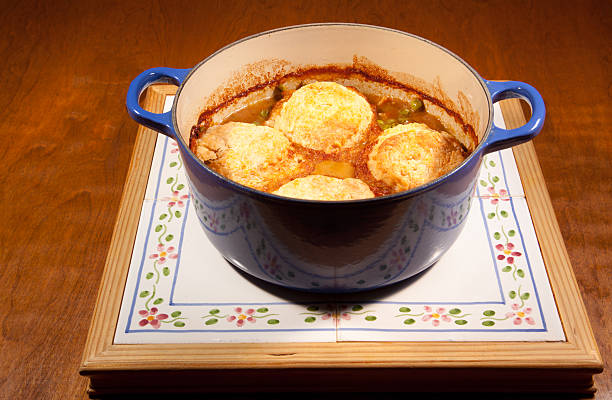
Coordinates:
x,y
323,140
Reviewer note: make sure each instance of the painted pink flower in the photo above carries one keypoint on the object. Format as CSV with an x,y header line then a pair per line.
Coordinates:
x,y
174,149
343,313
327,315
495,196
244,210
241,316
452,218
519,315
151,317
398,258
213,221
507,252
164,253
330,312
176,199
271,264
436,316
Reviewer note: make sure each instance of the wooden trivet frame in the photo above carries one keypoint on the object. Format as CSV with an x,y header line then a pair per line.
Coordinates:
x,y
561,367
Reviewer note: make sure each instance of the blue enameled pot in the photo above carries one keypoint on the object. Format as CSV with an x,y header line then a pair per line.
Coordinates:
x,y
346,245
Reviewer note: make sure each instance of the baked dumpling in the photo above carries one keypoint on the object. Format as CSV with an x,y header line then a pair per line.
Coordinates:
x,y
256,156
325,116
410,155
320,187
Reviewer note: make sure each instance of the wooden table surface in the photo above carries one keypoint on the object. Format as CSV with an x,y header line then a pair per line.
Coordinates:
x,y
68,140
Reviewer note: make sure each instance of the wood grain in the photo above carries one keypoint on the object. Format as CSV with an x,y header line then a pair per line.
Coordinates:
x,y
68,141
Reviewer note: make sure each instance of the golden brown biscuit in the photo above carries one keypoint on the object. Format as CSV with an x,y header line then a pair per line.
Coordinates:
x,y
256,156
319,187
410,155
325,116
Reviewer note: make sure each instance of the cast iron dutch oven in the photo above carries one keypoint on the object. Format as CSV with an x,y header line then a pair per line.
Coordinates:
x,y
337,246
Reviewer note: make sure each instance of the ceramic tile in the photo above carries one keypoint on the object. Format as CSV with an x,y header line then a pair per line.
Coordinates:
x,y
176,290
490,285
524,309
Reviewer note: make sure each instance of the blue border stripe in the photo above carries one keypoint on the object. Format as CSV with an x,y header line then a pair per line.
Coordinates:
x,y
180,247
239,330
484,218
535,289
444,330
144,250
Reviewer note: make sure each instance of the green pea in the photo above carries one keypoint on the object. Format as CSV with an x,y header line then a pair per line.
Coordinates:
x,y
404,112
416,104
264,113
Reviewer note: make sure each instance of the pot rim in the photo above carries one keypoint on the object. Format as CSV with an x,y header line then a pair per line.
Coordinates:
x,y
358,202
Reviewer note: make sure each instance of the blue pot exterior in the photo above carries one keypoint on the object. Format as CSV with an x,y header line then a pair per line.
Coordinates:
x,y
331,247
335,246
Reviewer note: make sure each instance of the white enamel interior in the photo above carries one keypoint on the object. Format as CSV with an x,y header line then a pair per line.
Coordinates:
x,y
323,44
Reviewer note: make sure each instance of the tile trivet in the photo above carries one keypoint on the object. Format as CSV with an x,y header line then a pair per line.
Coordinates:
x,y
490,291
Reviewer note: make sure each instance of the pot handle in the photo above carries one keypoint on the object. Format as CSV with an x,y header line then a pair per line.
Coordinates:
x,y
502,138
159,122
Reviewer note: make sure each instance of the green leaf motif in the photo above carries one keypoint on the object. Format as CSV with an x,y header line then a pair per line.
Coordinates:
x,y
454,311
488,323
489,313
144,293
512,294
179,324
166,271
495,179
370,318
483,183
491,215
383,267
409,321
525,296
158,300
511,232
180,186
360,282
507,268
262,310
173,164
177,214
497,235
504,214
312,308
170,180
211,321
149,275
492,163
163,216
169,237
520,273
158,228
461,322
273,322
310,319
175,314
357,308
214,311
404,309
